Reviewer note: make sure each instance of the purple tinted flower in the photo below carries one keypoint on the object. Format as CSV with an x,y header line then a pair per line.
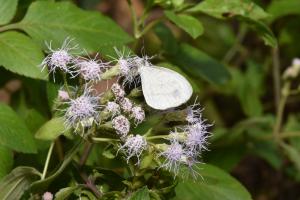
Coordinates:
x,y
83,109
173,157
121,125
90,70
59,58
197,136
134,146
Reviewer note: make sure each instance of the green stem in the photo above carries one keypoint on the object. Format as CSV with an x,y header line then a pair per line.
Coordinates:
x,y
236,46
276,75
280,110
95,139
47,160
149,26
290,134
157,137
134,19
9,27
66,83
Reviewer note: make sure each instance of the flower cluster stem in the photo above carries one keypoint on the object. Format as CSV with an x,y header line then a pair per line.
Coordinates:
x,y
47,160
280,110
95,139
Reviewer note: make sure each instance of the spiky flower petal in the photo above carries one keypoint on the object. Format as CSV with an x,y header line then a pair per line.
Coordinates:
x,y
193,113
197,137
173,157
134,146
82,109
59,58
90,70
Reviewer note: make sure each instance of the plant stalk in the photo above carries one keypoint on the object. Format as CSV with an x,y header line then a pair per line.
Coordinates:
x,y
280,110
47,160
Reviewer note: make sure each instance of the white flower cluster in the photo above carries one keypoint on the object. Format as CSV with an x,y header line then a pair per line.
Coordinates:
x,y
82,109
63,59
185,148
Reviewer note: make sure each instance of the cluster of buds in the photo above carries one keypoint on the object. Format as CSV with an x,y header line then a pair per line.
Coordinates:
x,y
123,110
83,109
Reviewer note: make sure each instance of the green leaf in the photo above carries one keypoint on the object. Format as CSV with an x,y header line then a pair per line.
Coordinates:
x,y
17,182
142,193
64,193
169,43
7,10
21,55
51,129
14,133
91,30
269,152
224,9
52,92
282,8
245,10
188,23
33,119
293,125
292,154
262,29
230,154
6,160
200,65
216,185
248,87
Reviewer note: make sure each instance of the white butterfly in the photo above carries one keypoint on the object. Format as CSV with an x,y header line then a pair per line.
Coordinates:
x,y
164,88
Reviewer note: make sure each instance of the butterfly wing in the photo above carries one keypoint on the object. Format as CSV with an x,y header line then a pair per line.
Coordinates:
x,y
164,88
